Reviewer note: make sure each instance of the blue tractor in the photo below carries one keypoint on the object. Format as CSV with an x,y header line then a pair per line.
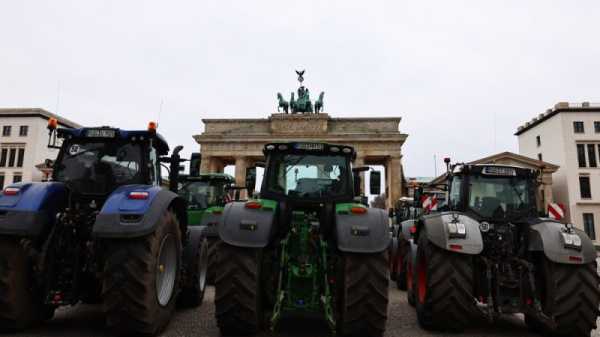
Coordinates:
x,y
102,231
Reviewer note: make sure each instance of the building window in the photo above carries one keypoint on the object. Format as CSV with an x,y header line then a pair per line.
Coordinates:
x,y
6,130
20,157
17,177
581,155
578,127
2,181
584,187
588,225
540,157
597,127
23,130
11,157
538,140
592,155
3,156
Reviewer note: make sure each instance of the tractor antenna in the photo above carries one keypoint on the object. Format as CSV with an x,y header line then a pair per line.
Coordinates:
x,y
159,111
57,97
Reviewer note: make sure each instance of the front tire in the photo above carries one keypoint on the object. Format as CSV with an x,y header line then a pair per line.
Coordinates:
x,y
362,294
20,306
238,305
443,288
213,243
141,279
569,294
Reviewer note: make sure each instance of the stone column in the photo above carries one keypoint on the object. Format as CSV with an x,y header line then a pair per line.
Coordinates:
x,y
206,164
394,180
241,163
358,162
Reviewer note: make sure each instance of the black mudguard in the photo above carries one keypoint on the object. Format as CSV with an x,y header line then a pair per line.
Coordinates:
x,y
116,224
195,235
32,211
363,233
244,227
435,228
545,236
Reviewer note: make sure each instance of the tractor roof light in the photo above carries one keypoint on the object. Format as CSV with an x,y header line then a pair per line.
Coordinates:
x,y
52,123
152,126
11,191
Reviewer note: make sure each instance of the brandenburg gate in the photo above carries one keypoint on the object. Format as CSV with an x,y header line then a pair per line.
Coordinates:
x,y
240,142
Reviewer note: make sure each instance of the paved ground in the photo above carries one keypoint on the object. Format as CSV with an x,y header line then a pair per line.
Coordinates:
x,y
86,320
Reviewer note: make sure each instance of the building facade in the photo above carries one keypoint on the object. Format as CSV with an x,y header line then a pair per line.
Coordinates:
x,y
23,140
569,135
240,142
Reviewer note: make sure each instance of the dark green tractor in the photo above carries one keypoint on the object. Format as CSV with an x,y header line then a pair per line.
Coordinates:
x,y
305,247
206,195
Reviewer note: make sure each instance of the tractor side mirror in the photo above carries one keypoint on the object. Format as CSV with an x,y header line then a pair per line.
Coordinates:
x,y
375,182
251,179
195,163
417,197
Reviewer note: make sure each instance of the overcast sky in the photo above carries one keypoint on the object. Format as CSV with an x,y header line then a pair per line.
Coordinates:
x,y
461,74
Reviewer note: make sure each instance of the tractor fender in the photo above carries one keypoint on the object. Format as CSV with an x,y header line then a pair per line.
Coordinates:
x,y
34,207
195,235
546,236
405,227
245,227
363,233
436,229
123,217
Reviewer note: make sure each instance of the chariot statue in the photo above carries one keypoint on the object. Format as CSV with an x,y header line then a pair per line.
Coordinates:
x,y
302,104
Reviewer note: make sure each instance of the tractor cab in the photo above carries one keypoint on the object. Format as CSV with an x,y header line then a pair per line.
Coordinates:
x,y
95,161
205,194
493,192
308,173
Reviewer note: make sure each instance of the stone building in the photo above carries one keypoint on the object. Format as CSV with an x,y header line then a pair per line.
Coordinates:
x,y
239,142
23,141
569,135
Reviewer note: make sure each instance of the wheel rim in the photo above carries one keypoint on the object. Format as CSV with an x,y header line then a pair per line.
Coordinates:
x,y
166,270
422,279
203,266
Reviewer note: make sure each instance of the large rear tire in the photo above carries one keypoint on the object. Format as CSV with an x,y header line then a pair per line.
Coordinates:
x,y
362,294
570,294
20,306
410,282
402,254
238,304
443,288
141,279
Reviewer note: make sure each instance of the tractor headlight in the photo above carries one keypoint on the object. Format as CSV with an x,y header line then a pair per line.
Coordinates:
x,y
457,230
572,241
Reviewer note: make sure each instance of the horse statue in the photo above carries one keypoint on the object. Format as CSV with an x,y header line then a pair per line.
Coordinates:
x,y
283,104
319,103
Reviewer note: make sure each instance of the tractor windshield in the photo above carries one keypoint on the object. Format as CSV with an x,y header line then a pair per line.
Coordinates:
x,y
203,194
310,176
98,167
499,196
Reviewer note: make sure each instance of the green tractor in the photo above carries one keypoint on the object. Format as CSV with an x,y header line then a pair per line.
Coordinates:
x,y
206,195
305,247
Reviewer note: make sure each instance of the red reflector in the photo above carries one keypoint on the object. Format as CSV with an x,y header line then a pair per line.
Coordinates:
x,y
11,191
575,258
529,301
253,205
138,195
456,247
358,210
413,229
